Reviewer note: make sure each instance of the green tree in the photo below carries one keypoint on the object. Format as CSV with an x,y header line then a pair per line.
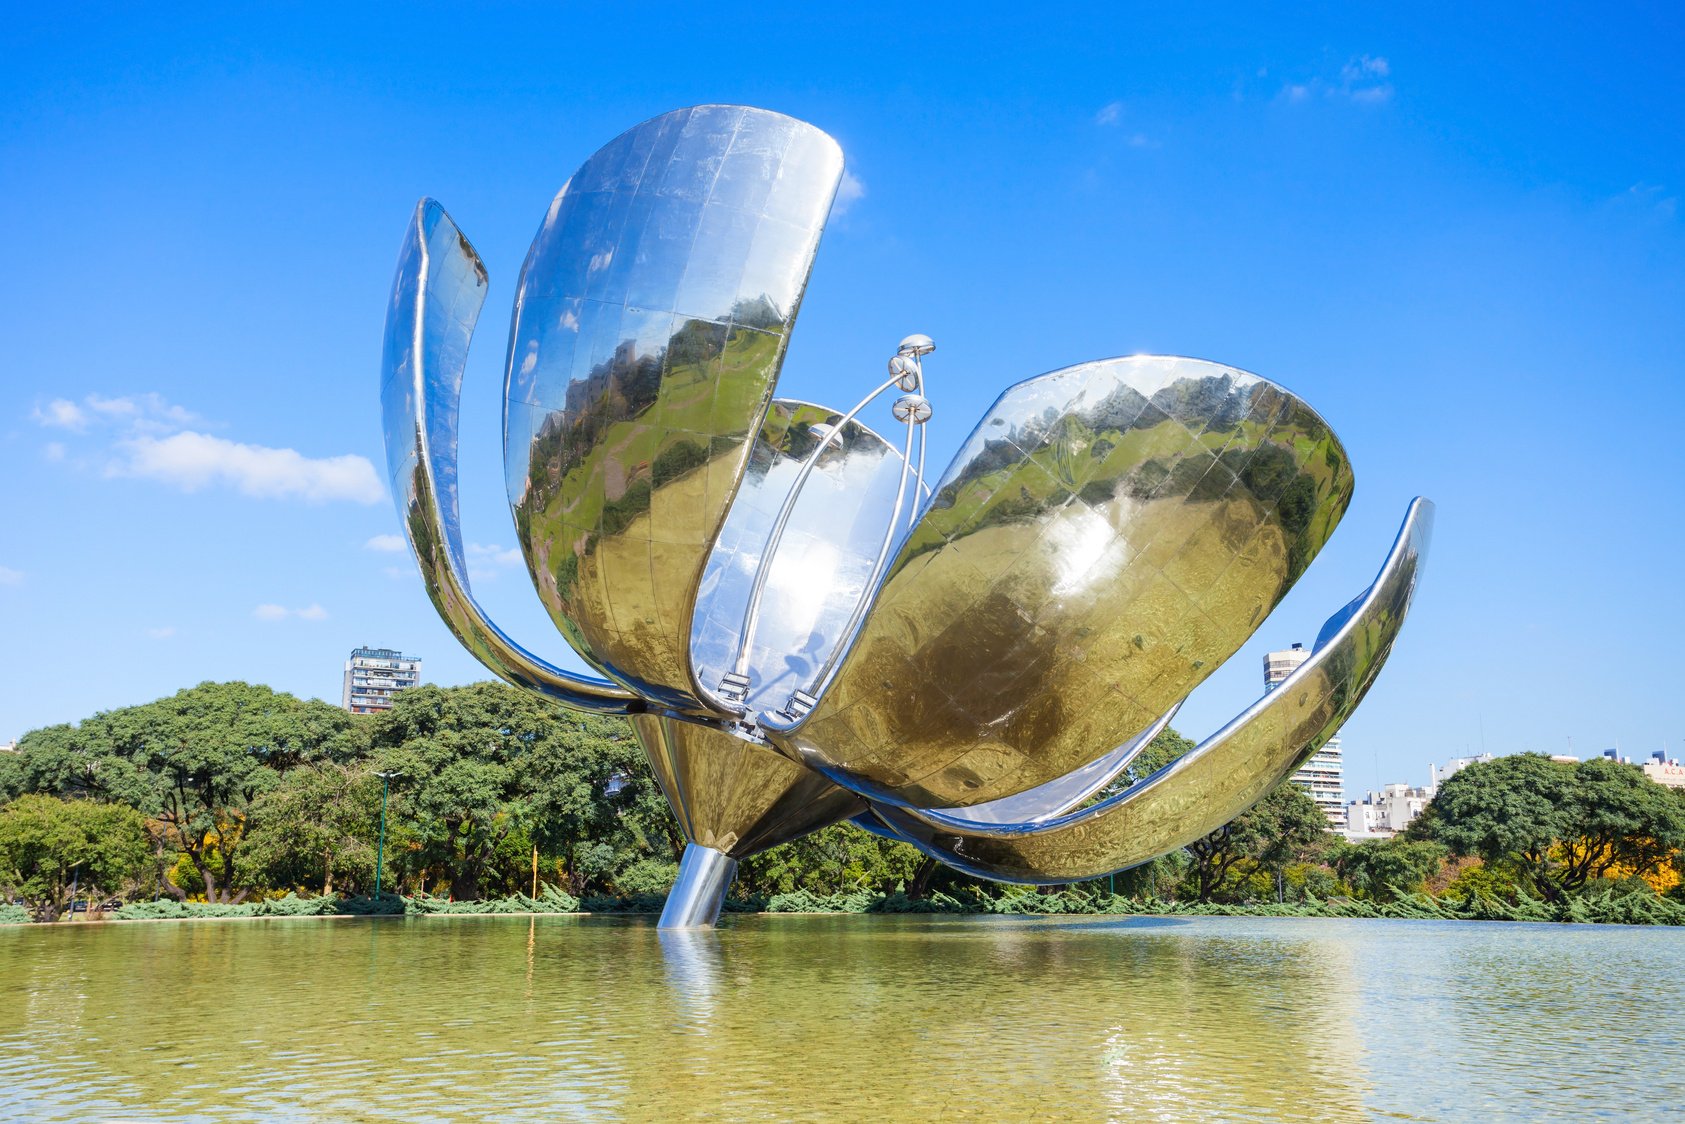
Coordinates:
x,y
315,829
1557,824
833,860
1283,828
487,765
1381,869
48,844
193,764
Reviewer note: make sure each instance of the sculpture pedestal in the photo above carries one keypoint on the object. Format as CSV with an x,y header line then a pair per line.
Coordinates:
x,y
695,900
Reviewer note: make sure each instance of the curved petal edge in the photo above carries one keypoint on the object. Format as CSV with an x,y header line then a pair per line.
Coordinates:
x,y
1220,778
436,299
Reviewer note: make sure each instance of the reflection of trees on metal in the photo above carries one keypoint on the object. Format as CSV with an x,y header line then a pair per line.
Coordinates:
x,y
800,630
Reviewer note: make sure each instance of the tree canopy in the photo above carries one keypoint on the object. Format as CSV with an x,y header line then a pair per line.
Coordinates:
x,y
1284,827
1558,824
48,845
192,764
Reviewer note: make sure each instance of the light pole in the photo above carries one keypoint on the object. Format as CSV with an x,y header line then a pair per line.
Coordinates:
x,y
380,852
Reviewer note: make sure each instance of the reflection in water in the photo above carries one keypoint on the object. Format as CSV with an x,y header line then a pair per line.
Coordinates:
x,y
690,959
826,1018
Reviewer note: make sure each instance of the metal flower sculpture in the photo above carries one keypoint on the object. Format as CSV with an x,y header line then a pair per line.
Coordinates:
x,y
799,630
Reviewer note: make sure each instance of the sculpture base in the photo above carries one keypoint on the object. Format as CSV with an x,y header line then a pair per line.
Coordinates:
x,y
695,899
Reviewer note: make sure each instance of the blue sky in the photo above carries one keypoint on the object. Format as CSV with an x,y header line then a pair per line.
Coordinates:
x,y
1457,234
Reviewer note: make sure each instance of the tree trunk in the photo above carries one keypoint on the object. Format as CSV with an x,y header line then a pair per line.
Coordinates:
x,y
919,887
327,877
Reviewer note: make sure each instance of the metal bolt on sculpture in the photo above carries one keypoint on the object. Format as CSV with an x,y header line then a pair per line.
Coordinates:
x,y
799,629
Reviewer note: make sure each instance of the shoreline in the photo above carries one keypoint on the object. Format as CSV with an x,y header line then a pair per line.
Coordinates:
x,y
1236,914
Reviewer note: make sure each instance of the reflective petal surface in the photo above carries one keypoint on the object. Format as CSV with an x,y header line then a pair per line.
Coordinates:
x,y
1107,536
650,324
823,558
1045,801
1223,776
735,796
436,299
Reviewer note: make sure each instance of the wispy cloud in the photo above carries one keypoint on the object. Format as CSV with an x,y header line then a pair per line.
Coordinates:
x,y
1112,115
850,191
146,413
1364,80
484,562
192,461
1651,197
9,576
61,413
271,612
147,437
386,544
163,633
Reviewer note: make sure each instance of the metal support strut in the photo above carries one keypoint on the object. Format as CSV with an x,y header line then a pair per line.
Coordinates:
x,y
906,372
696,897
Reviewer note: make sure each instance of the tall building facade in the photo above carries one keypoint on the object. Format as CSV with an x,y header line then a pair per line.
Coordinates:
x,y
373,676
1439,774
1323,776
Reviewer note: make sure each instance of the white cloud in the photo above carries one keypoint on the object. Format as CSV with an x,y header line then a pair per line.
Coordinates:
x,y
153,439
61,413
850,191
145,413
484,561
163,633
1651,196
386,544
1111,116
1362,81
150,413
192,461
9,576
270,612
495,555
1365,67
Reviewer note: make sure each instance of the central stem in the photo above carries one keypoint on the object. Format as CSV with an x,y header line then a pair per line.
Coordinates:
x,y
696,897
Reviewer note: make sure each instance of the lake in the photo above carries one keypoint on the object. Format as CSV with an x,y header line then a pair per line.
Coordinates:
x,y
817,1017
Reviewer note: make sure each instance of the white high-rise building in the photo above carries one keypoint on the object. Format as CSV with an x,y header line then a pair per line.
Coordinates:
x,y
1383,814
1439,774
1324,774
374,675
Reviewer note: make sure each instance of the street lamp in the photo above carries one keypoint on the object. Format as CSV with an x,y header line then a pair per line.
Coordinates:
x,y
380,853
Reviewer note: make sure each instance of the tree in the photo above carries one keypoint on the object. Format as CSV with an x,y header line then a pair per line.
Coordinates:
x,y
192,764
1284,827
1559,824
1382,869
315,828
834,860
487,765
48,844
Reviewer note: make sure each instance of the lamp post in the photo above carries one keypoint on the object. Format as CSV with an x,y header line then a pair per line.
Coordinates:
x,y
380,852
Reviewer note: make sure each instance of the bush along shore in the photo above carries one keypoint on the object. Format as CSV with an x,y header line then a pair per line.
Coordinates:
x,y
1613,906
233,800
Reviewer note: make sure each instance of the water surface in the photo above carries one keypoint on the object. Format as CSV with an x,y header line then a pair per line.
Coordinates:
x,y
886,1018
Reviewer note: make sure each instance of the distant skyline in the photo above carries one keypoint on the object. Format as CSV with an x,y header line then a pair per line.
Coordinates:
x,y
1457,235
